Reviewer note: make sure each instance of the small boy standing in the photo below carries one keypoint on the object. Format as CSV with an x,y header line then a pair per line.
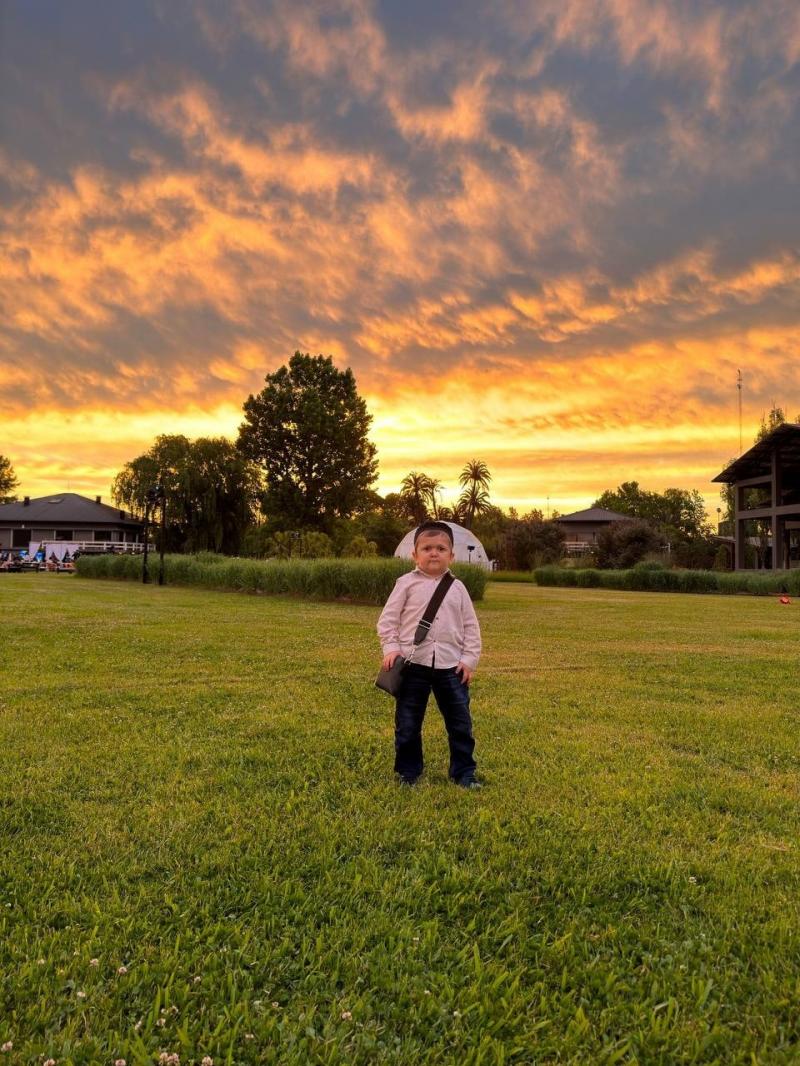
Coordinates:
x,y
443,664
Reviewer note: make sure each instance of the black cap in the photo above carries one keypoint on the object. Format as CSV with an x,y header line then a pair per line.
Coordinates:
x,y
433,527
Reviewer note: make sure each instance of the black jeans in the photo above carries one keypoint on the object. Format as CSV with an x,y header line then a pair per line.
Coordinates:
x,y
452,697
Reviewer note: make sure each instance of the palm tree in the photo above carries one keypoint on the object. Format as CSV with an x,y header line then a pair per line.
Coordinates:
x,y
474,499
434,486
477,471
415,492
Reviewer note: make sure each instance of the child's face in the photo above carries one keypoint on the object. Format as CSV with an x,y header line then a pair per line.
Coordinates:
x,y
433,554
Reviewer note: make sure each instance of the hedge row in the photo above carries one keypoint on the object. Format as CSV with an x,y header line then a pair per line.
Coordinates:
x,y
762,583
514,577
361,580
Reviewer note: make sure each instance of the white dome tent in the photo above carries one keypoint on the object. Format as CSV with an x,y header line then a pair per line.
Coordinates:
x,y
467,547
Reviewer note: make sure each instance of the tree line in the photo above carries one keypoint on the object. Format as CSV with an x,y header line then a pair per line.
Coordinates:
x,y
298,481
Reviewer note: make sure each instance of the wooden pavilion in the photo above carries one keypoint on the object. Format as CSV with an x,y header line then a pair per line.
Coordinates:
x,y
766,483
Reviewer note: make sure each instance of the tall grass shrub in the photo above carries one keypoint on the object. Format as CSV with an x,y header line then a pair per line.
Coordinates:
x,y
360,580
762,583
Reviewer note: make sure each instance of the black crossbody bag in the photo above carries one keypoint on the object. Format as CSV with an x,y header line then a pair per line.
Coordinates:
x,y
391,680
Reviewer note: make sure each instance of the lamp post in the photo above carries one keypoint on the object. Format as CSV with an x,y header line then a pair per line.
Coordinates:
x,y
470,549
151,498
162,499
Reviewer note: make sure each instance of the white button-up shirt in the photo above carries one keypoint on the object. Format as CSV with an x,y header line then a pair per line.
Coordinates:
x,y
454,637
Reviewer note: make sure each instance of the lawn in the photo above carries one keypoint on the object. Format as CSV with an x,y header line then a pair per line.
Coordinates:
x,y
203,852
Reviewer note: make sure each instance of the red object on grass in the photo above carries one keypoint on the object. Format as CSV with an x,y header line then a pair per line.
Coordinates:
x,y
785,599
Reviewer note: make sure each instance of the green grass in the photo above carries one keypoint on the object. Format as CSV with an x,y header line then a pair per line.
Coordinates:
x,y
197,786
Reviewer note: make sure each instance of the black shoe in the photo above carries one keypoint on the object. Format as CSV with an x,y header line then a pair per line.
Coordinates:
x,y
407,782
469,782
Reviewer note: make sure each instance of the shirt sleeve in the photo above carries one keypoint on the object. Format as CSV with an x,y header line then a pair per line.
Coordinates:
x,y
471,648
389,622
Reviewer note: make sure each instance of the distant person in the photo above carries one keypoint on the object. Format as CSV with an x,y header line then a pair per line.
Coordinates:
x,y
443,664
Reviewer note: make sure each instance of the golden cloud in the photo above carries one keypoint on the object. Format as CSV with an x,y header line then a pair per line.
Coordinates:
x,y
462,256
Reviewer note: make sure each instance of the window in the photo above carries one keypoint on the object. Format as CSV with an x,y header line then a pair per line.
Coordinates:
x,y
20,538
103,534
64,534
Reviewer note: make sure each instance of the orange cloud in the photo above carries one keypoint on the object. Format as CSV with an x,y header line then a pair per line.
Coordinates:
x,y
473,220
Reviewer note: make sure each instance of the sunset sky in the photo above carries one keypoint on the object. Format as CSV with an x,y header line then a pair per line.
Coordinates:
x,y
544,233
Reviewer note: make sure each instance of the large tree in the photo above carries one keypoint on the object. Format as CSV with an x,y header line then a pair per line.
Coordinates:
x,y
211,490
678,514
490,528
8,481
308,429
529,542
622,545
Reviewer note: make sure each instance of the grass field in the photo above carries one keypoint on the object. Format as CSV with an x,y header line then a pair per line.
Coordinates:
x,y
202,851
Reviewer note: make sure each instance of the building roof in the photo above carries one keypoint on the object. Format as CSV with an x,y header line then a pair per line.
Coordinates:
x,y
594,514
757,462
65,507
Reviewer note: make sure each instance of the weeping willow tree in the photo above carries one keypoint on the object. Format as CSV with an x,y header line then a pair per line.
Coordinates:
x,y
212,491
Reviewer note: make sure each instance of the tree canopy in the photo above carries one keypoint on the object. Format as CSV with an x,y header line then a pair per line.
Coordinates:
x,y
775,418
623,544
678,514
308,429
529,542
420,495
211,490
8,480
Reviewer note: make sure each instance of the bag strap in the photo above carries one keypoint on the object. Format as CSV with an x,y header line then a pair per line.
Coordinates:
x,y
435,602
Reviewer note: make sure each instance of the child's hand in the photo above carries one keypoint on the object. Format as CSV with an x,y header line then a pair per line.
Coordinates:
x,y
464,672
390,659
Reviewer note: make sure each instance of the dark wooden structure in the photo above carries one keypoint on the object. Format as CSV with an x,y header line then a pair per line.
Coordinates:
x,y
581,527
766,483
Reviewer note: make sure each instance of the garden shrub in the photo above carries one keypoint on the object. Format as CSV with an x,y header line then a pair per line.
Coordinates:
x,y
588,578
623,544
530,542
360,548
722,558
314,545
368,580
647,579
699,553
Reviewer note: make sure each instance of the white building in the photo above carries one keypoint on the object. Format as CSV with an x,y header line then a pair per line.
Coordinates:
x,y
66,522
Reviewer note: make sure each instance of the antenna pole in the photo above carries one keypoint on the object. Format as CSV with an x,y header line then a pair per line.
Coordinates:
x,y
739,388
